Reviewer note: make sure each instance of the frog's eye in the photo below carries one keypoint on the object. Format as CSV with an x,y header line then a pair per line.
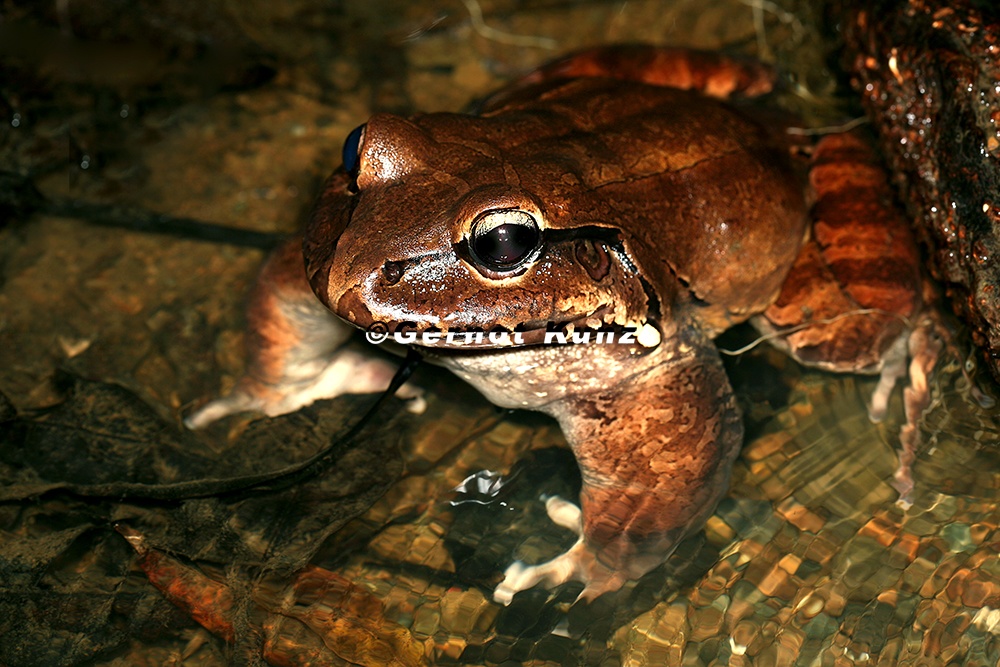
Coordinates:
x,y
505,239
351,154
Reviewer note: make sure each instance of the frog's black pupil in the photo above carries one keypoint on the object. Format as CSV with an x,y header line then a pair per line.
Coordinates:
x,y
506,245
352,151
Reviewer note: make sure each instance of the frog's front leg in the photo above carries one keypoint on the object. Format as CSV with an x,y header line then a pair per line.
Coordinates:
x,y
655,453
295,353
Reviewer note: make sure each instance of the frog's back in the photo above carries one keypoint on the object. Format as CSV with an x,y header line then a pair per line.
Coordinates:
x,y
698,190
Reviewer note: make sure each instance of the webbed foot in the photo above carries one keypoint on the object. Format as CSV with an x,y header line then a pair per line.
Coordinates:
x,y
579,563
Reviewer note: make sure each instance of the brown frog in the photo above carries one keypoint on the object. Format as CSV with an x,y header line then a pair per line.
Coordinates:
x,y
609,192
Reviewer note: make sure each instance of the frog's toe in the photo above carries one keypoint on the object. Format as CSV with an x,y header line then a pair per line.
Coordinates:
x,y
519,577
564,513
414,396
902,481
895,364
215,410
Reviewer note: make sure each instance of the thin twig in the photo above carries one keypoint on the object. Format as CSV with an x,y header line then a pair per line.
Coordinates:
x,y
829,129
488,32
806,325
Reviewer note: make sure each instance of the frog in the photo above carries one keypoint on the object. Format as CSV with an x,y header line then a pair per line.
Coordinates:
x,y
626,191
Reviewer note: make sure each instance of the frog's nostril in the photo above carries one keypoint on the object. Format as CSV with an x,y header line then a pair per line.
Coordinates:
x,y
392,272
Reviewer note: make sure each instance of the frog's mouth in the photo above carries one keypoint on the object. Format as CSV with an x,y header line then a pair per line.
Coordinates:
x,y
599,327
600,297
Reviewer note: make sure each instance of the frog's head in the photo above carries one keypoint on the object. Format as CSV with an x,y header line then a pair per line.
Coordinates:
x,y
438,221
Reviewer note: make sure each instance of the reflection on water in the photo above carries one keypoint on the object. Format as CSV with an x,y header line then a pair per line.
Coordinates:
x,y
810,560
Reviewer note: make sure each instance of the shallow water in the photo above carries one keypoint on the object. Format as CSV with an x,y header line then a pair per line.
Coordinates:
x,y
809,560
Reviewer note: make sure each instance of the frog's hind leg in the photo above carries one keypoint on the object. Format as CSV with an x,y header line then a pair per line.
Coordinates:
x,y
851,302
707,72
295,352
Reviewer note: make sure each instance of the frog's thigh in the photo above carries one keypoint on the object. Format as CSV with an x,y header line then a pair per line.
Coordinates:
x,y
707,72
855,288
293,349
655,455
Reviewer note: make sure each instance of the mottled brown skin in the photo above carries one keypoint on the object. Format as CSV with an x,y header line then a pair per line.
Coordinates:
x,y
635,174
928,72
859,277
862,258
587,155
656,208
682,419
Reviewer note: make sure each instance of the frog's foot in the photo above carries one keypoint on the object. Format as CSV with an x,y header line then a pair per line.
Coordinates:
x,y
912,356
346,372
925,344
579,563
